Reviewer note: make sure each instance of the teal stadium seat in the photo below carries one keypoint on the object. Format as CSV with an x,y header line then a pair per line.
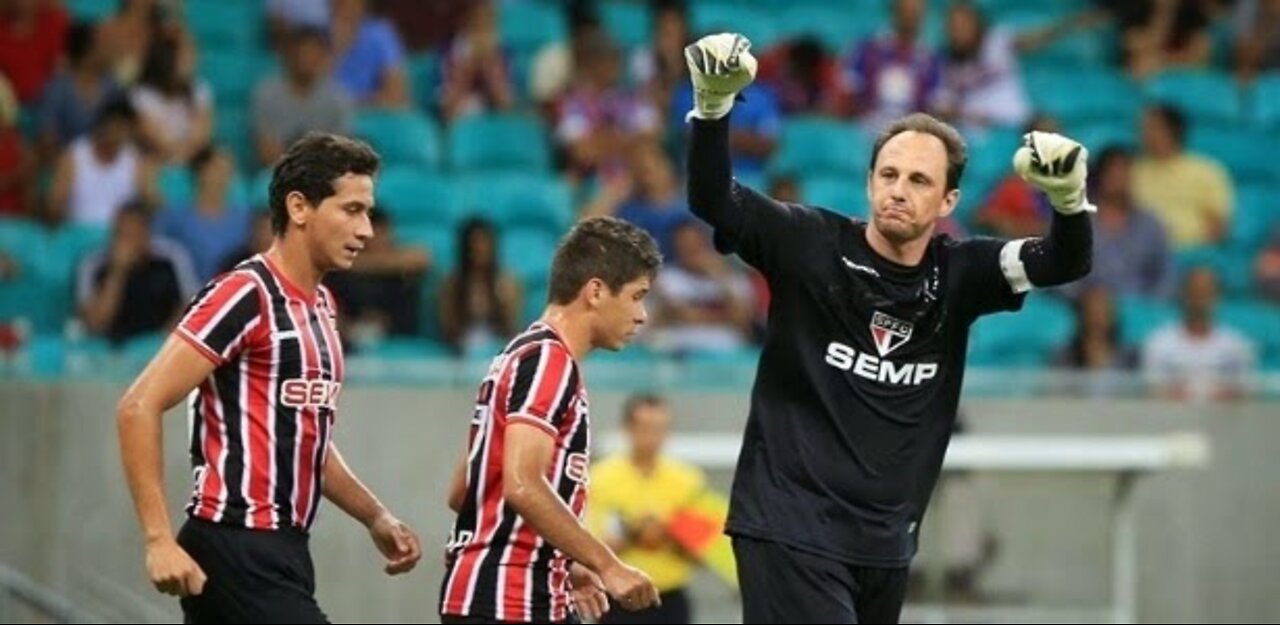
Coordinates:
x,y
92,10
845,194
413,197
424,80
518,200
839,27
1027,338
1249,159
1203,96
400,137
499,142
1266,101
1257,215
233,74
23,242
226,24
815,145
759,25
1079,95
232,130
526,252
629,23
527,26
1258,320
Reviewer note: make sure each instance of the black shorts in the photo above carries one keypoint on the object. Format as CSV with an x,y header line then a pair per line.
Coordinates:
x,y
453,619
783,585
675,608
254,576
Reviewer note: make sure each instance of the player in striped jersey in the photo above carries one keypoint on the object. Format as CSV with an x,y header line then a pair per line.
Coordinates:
x,y
518,551
259,357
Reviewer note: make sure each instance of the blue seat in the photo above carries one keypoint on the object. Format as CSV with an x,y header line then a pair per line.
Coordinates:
x,y
629,23
1027,338
23,242
92,10
400,137
1257,320
1079,95
844,194
226,24
1203,96
759,25
488,142
231,129
233,74
1230,265
1240,150
66,247
1266,100
814,145
1103,133
1257,215
518,200
526,252
424,80
441,241
1087,48
838,27
530,25
413,198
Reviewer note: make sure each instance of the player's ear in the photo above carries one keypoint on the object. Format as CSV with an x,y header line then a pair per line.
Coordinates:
x,y
298,207
593,292
949,202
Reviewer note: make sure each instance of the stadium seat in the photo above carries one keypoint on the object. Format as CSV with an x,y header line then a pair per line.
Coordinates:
x,y
1232,266
1203,96
92,10
1098,135
232,130
400,137
845,194
513,199
66,247
526,252
441,241
1027,338
629,23
413,198
424,80
1249,159
1256,217
23,242
815,145
489,142
1079,95
838,27
226,24
711,16
1266,100
1257,320
526,26
1140,316
233,74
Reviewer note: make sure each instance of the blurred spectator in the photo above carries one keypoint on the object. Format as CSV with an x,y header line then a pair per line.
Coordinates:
x,y
382,294
600,120
1015,209
1096,344
477,69
260,239
1191,194
137,285
805,78
102,170
754,126
894,74
17,163
556,64
1257,37
650,196
980,80
636,495
32,36
1160,34
304,98
77,91
212,227
175,107
1130,248
1197,359
785,188
658,67
1267,268
704,303
285,16
371,60
130,32
479,302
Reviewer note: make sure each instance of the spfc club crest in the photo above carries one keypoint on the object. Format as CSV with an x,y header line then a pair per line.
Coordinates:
x,y
889,333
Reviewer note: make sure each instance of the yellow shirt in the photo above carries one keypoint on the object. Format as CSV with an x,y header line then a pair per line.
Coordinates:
x,y
620,494
1184,192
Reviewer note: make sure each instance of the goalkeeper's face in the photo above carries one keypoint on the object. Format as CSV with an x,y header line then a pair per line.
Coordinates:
x,y
908,187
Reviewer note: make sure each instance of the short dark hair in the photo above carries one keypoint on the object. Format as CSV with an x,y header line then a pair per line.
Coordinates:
x,y
117,108
638,401
311,165
81,37
608,248
957,151
1173,118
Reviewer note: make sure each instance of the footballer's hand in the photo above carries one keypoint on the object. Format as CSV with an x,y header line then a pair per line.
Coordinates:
x,y
720,66
172,571
1056,165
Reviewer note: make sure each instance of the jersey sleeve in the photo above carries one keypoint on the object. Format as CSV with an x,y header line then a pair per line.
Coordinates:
x,y
543,383
982,286
223,317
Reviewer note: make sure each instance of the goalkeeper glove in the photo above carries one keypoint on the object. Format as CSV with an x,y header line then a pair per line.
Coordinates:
x,y
719,66
1057,166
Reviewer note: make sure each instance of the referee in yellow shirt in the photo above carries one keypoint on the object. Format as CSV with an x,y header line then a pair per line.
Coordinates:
x,y
633,497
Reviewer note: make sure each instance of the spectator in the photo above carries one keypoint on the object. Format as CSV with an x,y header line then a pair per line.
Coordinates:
x,y
1196,359
17,164
1191,194
980,81
77,91
260,239
659,66
130,32
785,188
212,227
103,170
635,496
371,63
138,284
556,64
479,302
304,98
651,196
1096,344
1257,37
32,37
1130,248
1168,33
1267,268
1015,209
477,68
175,108
805,78
382,293
895,74
704,303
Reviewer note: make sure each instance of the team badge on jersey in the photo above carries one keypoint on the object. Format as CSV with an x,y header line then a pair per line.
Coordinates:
x,y
889,333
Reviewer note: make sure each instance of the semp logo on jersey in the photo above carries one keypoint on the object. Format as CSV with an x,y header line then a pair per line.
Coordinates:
x,y
889,333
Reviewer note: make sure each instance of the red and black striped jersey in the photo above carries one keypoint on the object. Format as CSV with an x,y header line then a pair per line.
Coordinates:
x,y
498,566
260,425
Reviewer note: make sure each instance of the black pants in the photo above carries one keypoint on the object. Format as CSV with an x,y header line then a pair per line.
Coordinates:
x,y
675,609
782,585
450,619
254,576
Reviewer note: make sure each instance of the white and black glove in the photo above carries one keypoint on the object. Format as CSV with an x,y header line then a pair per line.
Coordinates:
x,y
1056,165
720,66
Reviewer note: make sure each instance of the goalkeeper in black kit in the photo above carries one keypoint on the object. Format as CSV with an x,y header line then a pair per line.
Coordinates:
x,y
858,383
